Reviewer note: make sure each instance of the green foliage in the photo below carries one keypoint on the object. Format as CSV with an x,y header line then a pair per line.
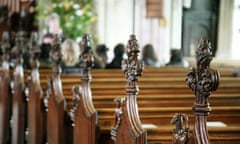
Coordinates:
x,y
75,15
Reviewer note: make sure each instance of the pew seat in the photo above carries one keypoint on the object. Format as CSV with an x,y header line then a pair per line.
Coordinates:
x,y
162,134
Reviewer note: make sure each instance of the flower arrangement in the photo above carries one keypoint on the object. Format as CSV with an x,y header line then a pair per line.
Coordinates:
x,y
75,15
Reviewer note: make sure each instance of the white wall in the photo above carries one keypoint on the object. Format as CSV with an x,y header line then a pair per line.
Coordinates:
x,y
153,30
236,31
176,23
115,24
225,30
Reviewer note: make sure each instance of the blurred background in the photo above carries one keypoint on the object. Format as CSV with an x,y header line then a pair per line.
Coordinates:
x,y
166,24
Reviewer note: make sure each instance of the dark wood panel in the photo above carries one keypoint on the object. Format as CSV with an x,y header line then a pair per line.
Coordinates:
x,y
201,20
154,8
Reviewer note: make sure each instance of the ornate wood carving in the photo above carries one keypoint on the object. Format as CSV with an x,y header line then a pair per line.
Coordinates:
x,y
118,116
19,104
83,112
35,97
5,97
55,100
181,134
202,80
130,130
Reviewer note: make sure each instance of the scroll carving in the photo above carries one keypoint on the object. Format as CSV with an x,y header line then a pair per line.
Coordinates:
x,y
118,116
5,97
130,129
83,112
76,90
202,80
181,134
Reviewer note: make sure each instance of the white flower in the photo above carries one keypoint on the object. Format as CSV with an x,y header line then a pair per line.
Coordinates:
x,y
79,12
78,39
72,17
76,6
68,24
54,5
45,11
79,26
60,4
89,13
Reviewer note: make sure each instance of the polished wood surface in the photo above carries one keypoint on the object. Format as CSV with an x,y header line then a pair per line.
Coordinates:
x,y
84,115
57,116
161,96
5,95
19,107
128,127
36,111
202,80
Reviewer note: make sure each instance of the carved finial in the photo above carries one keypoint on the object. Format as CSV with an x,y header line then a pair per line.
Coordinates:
x,y
86,55
20,46
5,46
56,53
202,80
34,50
127,121
204,54
181,134
132,67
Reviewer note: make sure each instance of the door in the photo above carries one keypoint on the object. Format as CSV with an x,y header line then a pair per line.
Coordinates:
x,y
200,20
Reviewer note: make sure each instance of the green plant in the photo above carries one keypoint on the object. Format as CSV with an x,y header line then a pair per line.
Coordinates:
x,y
75,15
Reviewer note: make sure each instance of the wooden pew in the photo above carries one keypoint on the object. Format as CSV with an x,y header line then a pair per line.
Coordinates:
x,y
59,129
83,113
5,95
153,89
160,98
154,85
202,80
157,92
149,72
34,93
217,135
128,128
19,106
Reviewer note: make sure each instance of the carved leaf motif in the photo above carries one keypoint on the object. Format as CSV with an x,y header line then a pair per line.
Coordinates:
x,y
204,54
55,53
86,55
202,81
191,79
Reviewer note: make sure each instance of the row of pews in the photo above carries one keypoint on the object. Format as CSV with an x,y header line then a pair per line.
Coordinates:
x,y
45,106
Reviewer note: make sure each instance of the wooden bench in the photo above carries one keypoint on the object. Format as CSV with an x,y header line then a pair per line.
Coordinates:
x,y
150,72
158,92
160,97
36,126
5,94
59,125
19,104
83,112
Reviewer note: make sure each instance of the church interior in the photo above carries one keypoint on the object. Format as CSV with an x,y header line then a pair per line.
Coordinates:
x,y
119,71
